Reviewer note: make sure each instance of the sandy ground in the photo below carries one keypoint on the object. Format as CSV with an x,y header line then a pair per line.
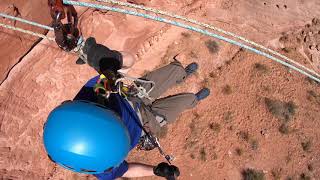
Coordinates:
x,y
260,114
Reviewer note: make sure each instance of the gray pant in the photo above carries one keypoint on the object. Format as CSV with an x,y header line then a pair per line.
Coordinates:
x,y
156,114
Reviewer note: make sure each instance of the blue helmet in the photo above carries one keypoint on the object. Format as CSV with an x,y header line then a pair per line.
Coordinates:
x,y
85,137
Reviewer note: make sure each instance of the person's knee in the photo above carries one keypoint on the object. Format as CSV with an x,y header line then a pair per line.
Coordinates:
x,y
177,69
176,63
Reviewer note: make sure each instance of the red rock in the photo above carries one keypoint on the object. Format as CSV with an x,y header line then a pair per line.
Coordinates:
x,y
14,45
46,76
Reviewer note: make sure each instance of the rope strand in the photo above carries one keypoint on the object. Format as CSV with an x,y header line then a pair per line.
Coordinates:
x,y
26,31
26,21
169,14
175,23
192,28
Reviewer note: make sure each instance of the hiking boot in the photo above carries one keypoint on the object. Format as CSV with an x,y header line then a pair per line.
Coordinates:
x,y
202,94
191,68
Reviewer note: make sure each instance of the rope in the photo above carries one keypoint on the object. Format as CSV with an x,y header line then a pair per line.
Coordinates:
x,y
26,21
26,31
142,92
192,28
173,23
169,14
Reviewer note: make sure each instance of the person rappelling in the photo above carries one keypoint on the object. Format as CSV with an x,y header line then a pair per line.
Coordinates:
x,y
94,132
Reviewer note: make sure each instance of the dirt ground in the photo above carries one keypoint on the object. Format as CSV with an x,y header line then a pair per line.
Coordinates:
x,y
261,119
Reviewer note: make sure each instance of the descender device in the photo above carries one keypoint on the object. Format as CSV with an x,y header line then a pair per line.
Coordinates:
x,y
66,32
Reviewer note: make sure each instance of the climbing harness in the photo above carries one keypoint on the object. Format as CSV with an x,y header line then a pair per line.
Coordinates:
x,y
141,92
105,87
124,85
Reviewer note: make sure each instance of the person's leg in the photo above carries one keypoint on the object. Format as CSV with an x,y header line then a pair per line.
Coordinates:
x,y
166,110
172,106
164,78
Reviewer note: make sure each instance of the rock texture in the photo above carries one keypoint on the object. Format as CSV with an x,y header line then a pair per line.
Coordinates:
x,y
306,41
260,114
15,45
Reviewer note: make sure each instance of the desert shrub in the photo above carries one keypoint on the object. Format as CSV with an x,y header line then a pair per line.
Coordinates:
x,y
254,144
239,151
203,154
306,146
284,129
251,174
212,46
226,89
215,127
303,176
260,67
185,34
244,135
281,110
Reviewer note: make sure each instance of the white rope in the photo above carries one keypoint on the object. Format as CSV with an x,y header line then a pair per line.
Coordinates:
x,y
142,92
26,31
169,14
193,28
26,21
173,23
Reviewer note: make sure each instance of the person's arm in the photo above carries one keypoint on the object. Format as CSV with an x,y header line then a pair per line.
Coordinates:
x,y
165,170
101,58
139,170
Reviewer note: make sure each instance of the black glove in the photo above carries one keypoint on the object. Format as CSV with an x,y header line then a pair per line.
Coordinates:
x,y
101,58
163,169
